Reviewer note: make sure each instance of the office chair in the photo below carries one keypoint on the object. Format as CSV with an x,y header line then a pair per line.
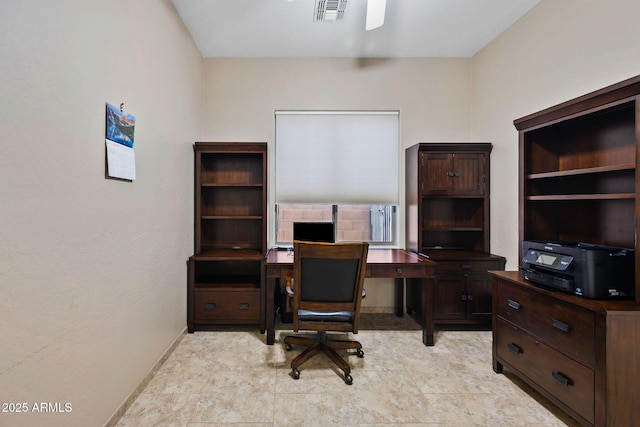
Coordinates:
x,y
328,280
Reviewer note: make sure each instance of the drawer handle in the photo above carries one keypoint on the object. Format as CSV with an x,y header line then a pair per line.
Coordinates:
x,y
467,266
560,325
210,306
398,270
561,378
243,306
514,348
513,304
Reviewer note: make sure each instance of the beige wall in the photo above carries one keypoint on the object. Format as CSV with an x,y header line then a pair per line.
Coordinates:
x,y
92,271
432,95
559,50
556,52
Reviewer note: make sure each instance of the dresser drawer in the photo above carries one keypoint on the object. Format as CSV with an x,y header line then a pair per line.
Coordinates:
x,y
514,304
558,323
227,305
569,381
468,266
399,271
565,326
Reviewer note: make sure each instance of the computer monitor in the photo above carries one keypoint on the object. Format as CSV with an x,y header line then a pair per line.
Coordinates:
x,y
314,231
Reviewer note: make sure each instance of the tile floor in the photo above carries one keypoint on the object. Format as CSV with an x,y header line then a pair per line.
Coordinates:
x,y
230,377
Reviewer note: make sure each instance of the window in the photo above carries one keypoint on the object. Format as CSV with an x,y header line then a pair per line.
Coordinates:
x,y
373,223
341,167
337,157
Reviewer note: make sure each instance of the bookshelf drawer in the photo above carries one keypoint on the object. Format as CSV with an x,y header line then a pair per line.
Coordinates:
x,y
227,305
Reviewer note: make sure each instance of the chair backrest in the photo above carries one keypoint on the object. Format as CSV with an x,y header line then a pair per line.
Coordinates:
x,y
328,282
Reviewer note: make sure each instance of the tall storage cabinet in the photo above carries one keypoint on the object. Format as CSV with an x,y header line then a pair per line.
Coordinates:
x,y
447,199
578,183
225,273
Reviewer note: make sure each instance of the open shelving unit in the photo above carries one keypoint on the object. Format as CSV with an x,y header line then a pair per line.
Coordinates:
x,y
225,272
579,177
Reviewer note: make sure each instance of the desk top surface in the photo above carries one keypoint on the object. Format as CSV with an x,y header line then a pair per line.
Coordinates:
x,y
374,256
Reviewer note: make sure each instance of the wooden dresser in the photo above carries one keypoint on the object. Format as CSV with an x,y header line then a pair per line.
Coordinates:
x,y
583,355
578,182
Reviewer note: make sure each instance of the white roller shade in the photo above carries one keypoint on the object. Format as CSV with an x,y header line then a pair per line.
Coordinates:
x,y
337,157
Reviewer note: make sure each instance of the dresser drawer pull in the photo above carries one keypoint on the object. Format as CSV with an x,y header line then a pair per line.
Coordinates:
x,y
210,306
560,325
398,270
514,348
467,267
513,304
561,378
243,306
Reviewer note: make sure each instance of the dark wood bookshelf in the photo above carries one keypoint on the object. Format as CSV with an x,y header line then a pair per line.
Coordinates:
x,y
230,238
447,205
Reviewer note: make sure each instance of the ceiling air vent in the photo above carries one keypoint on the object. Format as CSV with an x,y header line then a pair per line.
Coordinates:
x,y
330,10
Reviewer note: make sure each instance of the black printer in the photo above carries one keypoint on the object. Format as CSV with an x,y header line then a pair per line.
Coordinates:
x,y
591,271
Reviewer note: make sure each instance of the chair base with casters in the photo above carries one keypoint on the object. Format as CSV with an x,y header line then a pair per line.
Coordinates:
x,y
322,343
328,280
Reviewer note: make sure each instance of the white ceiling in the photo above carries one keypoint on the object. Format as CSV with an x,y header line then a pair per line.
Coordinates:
x,y
285,28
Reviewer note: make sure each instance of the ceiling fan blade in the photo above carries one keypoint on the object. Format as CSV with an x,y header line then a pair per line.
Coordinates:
x,y
375,14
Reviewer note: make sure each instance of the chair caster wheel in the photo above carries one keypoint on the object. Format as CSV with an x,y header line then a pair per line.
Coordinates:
x,y
287,347
360,353
348,379
296,374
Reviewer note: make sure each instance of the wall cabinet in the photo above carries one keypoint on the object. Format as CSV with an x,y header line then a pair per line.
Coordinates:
x,y
453,174
225,273
447,205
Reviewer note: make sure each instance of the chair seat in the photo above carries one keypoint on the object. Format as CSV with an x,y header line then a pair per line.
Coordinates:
x,y
325,316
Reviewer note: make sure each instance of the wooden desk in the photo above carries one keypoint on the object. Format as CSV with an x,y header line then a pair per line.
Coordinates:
x,y
394,263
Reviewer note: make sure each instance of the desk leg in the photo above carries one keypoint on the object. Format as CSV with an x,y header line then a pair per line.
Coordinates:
x,y
269,310
399,296
427,312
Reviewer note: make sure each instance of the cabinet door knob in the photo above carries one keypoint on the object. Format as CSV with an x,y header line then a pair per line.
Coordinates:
x,y
463,297
398,270
450,174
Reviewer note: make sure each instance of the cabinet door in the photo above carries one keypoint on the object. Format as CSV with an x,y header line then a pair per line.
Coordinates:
x,y
436,173
450,296
479,294
468,171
